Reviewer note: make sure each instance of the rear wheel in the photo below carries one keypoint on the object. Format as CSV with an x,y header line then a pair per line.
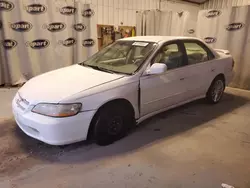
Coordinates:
x,y
216,90
112,123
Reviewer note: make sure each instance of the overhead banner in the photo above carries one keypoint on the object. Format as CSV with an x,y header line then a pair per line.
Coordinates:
x,y
229,29
37,36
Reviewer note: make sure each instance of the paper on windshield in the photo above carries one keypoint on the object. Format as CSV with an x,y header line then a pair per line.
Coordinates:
x,y
143,44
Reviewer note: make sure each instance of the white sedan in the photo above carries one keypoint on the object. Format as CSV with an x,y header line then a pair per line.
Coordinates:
x,y
120,86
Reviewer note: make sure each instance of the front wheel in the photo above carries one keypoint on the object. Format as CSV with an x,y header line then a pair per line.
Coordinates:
x,y
216,90
111,124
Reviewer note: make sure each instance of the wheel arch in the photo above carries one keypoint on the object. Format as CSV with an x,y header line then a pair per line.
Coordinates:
x,y
221,75
121,101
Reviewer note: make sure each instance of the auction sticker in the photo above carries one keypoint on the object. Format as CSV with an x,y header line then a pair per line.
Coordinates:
x,y
143,44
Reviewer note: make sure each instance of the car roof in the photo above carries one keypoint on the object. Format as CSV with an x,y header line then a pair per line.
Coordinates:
x,y
157,39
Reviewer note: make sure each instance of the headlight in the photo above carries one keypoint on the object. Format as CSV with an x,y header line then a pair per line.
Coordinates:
x,y
57,110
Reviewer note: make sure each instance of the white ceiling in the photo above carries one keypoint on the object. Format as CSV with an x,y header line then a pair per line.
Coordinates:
x,y
196,1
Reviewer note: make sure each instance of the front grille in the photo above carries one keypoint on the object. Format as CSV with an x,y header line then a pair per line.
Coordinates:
x,y
21,102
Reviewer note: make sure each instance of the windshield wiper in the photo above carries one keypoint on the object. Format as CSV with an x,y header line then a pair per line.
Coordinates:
x,y
103,69
98,68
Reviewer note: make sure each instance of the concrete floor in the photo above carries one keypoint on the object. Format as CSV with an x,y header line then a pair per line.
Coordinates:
x,y
6,95
195,146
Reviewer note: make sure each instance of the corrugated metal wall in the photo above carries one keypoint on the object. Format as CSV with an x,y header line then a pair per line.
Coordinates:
x,y
218,4
113,12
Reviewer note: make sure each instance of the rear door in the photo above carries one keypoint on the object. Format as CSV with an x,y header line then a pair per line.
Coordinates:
x,y
200,68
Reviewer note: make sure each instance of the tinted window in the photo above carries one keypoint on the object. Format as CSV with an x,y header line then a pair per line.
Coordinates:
x,y
170,55
197,53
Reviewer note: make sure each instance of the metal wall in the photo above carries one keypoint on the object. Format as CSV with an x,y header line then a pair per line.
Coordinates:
x,y
113,12
219,4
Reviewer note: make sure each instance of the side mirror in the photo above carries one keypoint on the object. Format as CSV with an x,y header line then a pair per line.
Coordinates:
x,y
157,68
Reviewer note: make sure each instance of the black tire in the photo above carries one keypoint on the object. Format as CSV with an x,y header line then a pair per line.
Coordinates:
x,y
218,84
112,123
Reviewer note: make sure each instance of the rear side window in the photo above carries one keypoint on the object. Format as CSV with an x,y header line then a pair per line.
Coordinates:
x,y
197,53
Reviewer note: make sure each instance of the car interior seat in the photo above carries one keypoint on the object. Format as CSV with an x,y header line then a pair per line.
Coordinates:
x,y
173,60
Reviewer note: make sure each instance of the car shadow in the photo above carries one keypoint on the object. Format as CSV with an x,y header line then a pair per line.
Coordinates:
x,y
151,131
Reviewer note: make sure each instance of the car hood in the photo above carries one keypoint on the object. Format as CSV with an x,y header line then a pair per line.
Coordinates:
x,y
56,85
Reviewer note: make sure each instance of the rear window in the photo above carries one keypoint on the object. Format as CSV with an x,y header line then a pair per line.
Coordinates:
x,y
197,53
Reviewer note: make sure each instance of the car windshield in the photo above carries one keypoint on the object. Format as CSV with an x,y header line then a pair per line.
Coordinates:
x,y
123,57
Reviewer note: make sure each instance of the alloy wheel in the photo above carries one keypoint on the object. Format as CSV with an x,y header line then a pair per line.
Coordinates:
x,y
217,90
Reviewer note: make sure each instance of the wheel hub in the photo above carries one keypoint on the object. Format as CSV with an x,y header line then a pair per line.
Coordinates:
x,y
115,125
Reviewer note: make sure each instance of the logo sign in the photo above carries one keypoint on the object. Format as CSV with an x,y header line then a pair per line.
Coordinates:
x,y
21,26
36,9
38,44
88,43
191,31
55,27
68,10
9,44
21,100
68,42
235,26
18,101
213,13
210,40
88,13
6,5
79,27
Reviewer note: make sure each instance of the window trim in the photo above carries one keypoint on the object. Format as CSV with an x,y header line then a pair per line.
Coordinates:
x,y
211,56
180,48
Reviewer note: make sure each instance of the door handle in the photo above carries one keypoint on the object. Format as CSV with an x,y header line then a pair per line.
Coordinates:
x,y
182,79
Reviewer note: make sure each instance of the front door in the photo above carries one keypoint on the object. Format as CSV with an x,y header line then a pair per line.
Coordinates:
x,y
161,91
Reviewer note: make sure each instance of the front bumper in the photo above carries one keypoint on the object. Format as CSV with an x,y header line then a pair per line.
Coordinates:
x,y
53,131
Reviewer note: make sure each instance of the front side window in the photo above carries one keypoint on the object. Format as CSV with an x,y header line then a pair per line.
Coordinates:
x,y
170,55
196,53
121,57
